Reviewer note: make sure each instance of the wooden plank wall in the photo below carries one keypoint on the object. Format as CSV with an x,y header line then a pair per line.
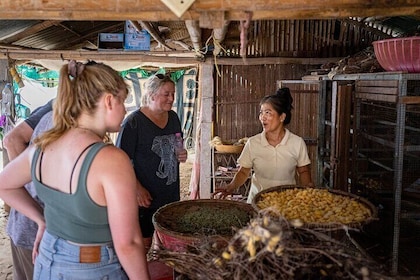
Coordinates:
x,y
378,90
305,119
343,137
238,92
304,38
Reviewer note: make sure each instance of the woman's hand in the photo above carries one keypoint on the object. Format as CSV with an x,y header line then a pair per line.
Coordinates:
x,y
38,238
182,155
144,198
238,180
223,191
220,194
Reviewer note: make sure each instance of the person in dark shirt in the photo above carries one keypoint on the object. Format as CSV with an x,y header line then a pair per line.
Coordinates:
x,y
21,229
148,138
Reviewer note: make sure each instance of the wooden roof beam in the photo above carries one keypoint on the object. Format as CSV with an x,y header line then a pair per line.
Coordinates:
x,y
195,34
155,10
141,57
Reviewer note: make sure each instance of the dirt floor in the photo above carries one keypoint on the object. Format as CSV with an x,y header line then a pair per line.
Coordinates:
x,y
5,255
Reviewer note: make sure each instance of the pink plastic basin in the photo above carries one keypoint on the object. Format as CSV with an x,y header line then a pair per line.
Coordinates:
x,y
399,54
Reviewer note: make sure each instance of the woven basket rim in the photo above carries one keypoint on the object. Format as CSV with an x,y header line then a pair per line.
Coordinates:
x,y
367,203
194,203
229,148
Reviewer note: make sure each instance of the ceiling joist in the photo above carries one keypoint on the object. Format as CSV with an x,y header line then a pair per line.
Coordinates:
x,y
141,57
155,10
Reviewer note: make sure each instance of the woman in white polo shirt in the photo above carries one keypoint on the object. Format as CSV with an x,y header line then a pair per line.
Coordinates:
x,y
275,155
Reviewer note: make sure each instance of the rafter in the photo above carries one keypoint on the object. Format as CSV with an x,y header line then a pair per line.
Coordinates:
x,y
155,10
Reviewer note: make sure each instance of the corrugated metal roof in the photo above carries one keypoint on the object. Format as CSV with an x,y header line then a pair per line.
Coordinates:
x,y
401,26
11,27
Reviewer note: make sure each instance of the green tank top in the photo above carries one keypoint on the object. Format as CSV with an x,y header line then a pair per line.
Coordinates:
x,y
74,217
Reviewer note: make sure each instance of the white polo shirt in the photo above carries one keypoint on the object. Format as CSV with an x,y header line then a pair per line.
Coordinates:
x,y
273,166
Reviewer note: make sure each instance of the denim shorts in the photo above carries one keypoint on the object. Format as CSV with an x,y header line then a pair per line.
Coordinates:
x,y
59,259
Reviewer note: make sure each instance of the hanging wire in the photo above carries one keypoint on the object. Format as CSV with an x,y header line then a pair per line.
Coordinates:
x,y
217,43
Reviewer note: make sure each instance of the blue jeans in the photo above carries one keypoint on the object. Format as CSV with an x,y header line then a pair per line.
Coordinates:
x,y
59,259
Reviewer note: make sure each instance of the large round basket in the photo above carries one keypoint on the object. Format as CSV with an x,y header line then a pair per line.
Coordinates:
x,y
372,209
233,149
177,228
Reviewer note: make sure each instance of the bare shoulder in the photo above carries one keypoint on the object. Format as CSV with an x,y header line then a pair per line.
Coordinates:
x,y
112,153
112,162
113,167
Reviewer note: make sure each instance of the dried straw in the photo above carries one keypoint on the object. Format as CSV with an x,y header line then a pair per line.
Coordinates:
x,y
270,247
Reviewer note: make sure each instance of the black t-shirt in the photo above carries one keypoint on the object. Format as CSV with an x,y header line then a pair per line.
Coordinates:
x,y
152,152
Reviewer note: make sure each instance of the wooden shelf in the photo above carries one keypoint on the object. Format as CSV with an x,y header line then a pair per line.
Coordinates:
x,y
224,168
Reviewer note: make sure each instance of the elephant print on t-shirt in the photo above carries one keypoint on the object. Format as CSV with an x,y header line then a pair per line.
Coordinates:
x,y
164,147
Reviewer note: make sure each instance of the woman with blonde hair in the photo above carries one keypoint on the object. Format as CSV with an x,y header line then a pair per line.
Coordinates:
x,y
90,229
148,137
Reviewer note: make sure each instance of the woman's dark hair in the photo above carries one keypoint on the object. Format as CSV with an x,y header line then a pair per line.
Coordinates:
x,y
281,101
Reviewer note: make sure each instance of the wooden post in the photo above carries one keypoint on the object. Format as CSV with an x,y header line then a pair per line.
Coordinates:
x,y
206,87
5,78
